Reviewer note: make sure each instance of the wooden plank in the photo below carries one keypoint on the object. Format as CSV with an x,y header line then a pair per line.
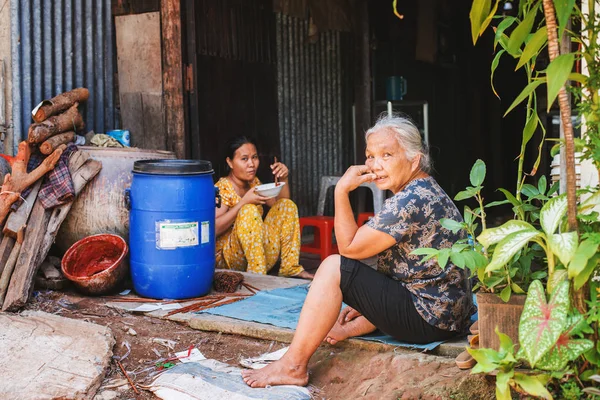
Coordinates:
x,y
21,282
18,219
41,232
132,115
170,11
138,53
152,117
6,247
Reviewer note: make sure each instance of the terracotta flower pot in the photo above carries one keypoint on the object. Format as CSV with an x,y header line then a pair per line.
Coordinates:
x,y
494,312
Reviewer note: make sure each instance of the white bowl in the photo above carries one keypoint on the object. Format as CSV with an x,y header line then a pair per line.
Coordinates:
x,y
269,189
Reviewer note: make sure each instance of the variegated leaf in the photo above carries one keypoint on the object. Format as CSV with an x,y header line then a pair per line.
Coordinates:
x,y
586,206
565,350
494,235
564,245
555,279
509,246
542,322
552,212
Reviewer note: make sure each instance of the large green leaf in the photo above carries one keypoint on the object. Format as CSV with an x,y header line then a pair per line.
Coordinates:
x,y
466,194
532,385
451,224
537,41
487,360
583,276
541,322
509,246
494,235
557,74
564,245
502,26
488,19
479,12
584,252
525,93
518,36
510,197
502,386
477,173
564,8
565,350
552,212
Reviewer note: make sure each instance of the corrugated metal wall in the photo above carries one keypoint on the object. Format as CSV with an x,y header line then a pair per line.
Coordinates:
x,y
314,95
58,45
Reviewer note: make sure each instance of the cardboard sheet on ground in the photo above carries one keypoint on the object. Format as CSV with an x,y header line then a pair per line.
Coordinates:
x,y
281,307
211,379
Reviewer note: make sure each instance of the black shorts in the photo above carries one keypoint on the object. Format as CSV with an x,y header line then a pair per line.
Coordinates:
x,y
386,303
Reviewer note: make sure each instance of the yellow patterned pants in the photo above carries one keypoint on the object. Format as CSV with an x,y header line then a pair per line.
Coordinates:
x,y
255,245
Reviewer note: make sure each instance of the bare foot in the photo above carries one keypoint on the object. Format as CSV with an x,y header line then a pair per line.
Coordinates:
x,y
304,275
278,373
356,327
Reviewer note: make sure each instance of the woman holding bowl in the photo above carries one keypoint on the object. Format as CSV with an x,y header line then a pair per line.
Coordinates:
x,y
246,242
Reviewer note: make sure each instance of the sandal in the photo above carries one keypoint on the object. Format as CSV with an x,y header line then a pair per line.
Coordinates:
x,y
465,360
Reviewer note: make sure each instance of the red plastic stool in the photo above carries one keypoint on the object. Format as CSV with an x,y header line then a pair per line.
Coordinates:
x,y
322,243
363,217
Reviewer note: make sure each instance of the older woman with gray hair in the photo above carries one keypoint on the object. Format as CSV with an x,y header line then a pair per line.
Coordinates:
x,y
407,297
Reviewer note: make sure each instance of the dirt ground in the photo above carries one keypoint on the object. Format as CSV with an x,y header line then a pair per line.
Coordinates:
x,y
336,373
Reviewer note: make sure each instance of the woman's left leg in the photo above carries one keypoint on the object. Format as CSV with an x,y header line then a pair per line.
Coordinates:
x,y
319,313
282,235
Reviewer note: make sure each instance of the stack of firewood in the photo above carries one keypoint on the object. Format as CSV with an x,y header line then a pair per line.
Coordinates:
x,y
57,120
30,230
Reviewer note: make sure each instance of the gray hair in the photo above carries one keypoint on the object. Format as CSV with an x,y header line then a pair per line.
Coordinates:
x,y
408,137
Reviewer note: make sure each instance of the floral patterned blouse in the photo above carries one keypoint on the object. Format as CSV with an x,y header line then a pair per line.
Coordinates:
x,y
230,198
441,296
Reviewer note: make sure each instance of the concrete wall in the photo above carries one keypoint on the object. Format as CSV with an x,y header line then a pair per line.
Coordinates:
x,y
6,139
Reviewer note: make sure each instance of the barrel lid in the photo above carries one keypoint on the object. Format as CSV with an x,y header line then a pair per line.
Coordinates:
x,y
173,167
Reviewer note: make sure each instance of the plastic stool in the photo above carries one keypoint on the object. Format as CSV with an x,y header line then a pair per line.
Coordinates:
x,y
363,217
322,243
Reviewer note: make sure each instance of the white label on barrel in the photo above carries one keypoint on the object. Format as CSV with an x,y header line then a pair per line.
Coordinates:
x,y
173,235
204,238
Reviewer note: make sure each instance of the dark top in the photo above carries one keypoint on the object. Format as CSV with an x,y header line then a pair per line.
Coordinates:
x,y
441,296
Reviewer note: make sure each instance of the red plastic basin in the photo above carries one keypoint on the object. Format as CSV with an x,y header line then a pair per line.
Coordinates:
x,y
96,264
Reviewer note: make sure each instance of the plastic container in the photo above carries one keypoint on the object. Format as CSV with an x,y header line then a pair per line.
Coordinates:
x,y
121,135
172,228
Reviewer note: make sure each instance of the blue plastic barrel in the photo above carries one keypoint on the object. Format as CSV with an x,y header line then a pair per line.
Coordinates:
x,y
172,228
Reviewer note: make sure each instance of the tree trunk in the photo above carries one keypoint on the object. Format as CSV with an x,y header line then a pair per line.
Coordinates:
x,y
577,297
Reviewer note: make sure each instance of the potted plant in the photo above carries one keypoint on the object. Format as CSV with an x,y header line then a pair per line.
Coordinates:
x,y
557,331
550,248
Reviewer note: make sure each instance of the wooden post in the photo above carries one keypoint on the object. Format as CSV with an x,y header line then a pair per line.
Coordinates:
x,y
362,81
170,15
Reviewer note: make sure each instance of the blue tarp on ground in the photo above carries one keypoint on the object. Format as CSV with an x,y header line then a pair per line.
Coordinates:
x,y
281,307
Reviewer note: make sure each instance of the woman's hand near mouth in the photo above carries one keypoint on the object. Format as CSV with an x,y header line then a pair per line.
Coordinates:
x,y
355,176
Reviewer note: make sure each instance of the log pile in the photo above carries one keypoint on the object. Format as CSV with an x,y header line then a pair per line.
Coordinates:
x,y
30,230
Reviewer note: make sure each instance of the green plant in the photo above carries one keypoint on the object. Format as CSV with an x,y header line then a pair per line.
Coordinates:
x,y
549,338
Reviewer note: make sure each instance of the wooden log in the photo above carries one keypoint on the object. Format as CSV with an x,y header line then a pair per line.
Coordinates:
x,y
20,179
60,103
10,266
70,120
52,143
18,219
21,282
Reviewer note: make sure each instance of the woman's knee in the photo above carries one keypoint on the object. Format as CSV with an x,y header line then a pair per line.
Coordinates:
x,y
330,267
286,204
248,210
